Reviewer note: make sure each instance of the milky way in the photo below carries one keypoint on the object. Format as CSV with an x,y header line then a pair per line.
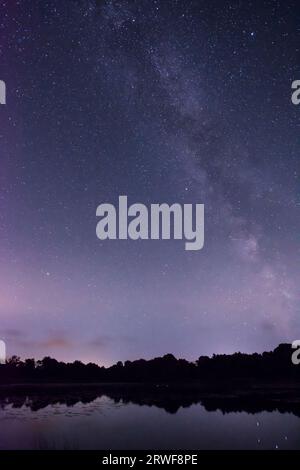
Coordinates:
x,y
162,101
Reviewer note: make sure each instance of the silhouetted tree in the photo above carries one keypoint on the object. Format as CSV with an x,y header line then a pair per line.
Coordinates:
x,y
268,366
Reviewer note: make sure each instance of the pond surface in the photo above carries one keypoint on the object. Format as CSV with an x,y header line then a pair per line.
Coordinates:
x,y
107,423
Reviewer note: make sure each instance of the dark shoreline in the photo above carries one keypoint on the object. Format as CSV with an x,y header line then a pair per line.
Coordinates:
x,y
224,385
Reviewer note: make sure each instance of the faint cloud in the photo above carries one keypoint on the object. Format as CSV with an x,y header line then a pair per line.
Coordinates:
x,y
11,333
55,342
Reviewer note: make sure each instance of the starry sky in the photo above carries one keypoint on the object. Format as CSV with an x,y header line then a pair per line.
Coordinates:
x,y
164,101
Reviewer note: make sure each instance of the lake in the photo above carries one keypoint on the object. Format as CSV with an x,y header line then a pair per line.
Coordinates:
x,y
103,422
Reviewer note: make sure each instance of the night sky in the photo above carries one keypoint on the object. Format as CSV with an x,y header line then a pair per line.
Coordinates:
x,y
162,101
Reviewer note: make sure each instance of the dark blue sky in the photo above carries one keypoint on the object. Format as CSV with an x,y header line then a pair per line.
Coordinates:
x,y
163,101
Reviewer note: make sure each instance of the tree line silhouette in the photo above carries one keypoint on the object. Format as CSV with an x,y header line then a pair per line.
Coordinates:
x,y
268,366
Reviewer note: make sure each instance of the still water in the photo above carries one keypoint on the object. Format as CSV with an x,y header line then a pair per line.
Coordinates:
x,y
104,423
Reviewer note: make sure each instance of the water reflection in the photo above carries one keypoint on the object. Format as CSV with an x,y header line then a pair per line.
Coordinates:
x,y
169,398
147,417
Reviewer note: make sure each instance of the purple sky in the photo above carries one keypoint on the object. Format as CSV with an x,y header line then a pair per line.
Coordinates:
x,y
163,102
